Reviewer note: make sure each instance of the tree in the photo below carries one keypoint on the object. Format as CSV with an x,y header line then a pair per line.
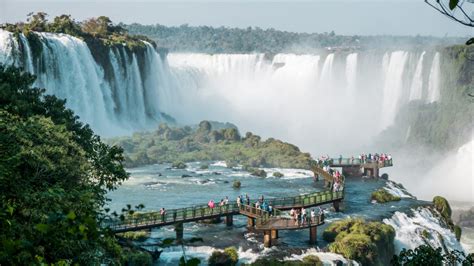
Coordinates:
x,y
426,255
455,10
54,176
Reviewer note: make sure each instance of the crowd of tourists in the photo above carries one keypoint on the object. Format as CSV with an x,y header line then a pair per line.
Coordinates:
x,y
381,158
302,217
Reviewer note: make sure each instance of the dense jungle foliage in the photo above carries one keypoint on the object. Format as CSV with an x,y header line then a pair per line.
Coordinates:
x,y
207,39
54,176
186,144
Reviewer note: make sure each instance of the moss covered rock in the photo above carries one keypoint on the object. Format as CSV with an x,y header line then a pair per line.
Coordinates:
x,y
258,172
277,174
442,206
178,165
236,184
370,243
382,196
229,257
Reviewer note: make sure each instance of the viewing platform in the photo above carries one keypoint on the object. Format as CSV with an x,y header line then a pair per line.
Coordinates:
x,y
256,218
356,167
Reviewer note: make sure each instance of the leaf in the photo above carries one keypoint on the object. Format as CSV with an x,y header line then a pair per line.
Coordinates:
x,y
43,228
168,241
453,4
82,228
10,210
470,41
71,215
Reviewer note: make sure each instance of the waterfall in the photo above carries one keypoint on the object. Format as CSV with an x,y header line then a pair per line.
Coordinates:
x,y
302,98
125,101
419,228
416,88
326,72
351,73
392,88
434,80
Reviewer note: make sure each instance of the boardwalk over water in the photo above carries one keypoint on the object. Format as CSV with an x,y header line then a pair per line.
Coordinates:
x,y
258,219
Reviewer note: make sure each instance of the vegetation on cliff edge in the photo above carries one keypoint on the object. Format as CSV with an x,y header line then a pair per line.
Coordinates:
x,y
185,144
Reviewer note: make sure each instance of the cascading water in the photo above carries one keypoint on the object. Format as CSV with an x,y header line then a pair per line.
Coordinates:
x,y
434,82
392,88
422,228
416,88
300,98
124,102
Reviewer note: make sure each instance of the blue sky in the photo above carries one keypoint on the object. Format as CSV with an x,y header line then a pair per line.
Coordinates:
x,y
363,17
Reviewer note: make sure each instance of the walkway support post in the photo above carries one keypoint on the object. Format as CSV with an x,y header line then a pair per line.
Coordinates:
x,y
336,205
178,228
313,233
250,222
274,233
267,239
229,219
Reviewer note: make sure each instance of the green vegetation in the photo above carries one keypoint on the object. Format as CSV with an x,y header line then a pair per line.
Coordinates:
x,y
236,184
426,255
309,260
457,232
277,174
203,143
432,125
178,165
234,40
258,172
135,258
100,35
54,176
135,235
370,243
229,257
382,196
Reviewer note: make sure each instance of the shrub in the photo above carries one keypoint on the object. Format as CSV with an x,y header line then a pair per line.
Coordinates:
x,y
370,243
457,232
204,167
136,235
226,258
232,253
236,184
137,258
179,165
277,174
383,196
259,172
312,260
442,205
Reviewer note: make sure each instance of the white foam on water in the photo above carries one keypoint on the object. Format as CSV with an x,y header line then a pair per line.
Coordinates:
x,y
422,228
327,258
397,190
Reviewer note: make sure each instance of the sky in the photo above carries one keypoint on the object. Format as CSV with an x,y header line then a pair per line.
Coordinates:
x,y
347,17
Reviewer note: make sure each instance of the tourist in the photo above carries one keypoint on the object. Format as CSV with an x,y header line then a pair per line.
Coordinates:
x,y
303,216
270,210
226,200
298,218
163,214
321,214
257,204
239,201
292,213
221,203
247,199
211,204
313,215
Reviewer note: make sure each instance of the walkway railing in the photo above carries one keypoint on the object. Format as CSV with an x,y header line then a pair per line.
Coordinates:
x,y
288,223
356,161
141,220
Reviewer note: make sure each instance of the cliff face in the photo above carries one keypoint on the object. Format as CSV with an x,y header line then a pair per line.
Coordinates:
x,y
445,124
